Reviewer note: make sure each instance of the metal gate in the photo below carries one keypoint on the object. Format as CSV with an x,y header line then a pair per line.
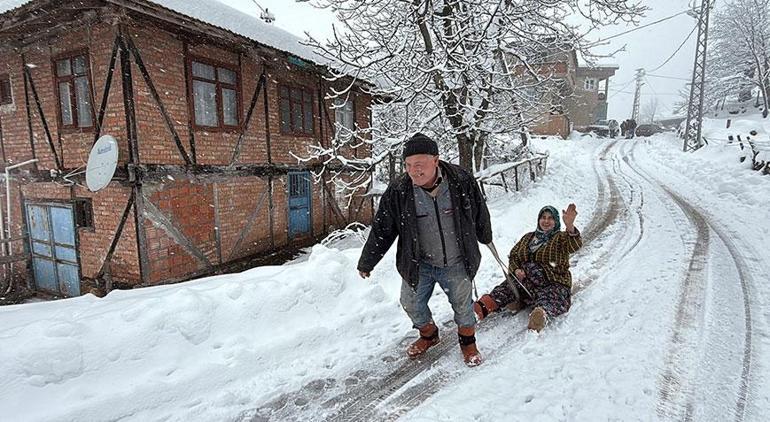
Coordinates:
x,y
299,204
53,247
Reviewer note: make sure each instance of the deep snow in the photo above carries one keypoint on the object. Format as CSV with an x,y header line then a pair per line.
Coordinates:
x,y
213,348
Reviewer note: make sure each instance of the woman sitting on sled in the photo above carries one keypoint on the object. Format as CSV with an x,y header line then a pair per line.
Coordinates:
x,y
540,261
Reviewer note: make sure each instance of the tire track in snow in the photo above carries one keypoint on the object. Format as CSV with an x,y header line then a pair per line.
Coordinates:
x,y
602,219
400,402
608,218
673,386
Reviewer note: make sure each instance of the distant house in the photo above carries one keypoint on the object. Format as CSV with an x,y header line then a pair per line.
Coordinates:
x,y
591,94
207,105
580,95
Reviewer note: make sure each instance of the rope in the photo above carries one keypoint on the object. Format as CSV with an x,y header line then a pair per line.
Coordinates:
x,y
510,278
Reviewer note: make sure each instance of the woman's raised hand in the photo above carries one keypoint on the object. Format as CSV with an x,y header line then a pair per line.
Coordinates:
x,y
568,216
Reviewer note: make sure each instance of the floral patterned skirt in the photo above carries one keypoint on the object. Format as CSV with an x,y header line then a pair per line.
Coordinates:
x,y
554,298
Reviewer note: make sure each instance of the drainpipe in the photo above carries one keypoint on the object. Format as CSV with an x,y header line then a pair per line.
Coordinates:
x,y
8,169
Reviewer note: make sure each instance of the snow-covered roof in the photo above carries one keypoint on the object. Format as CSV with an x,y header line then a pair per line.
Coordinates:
x,y
218,14
7,5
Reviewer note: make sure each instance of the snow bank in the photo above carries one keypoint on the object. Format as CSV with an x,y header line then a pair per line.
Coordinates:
x,y
227,339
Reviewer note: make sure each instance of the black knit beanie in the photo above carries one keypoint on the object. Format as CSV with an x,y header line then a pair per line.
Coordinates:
x,y
420,144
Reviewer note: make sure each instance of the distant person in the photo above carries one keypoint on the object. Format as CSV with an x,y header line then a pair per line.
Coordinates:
x,y
631,128
540,261
439,216
623,128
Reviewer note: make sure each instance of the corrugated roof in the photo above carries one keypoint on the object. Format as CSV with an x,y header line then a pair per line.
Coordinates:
x,y
225,17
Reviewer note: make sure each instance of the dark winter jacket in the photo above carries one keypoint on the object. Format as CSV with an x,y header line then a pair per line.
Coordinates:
x,y
396,218
553,256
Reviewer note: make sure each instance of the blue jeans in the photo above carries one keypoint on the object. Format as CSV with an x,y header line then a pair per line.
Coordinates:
x,y
456,284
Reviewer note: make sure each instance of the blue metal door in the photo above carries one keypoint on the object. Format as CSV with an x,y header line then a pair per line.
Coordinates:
x,y
299,203
54,251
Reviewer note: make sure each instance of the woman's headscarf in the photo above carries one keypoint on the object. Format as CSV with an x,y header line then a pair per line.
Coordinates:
x,y
541,236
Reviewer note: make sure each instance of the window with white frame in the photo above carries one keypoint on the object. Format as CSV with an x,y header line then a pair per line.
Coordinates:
x,y
590,84
345,113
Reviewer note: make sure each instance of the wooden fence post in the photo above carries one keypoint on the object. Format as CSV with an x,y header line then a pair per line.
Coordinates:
x,y
516,177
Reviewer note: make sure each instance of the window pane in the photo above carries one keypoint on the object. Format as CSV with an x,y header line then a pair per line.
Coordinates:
x,y
308,114
201,70
63,67
296,118
205,101
350,114
296,96
285,115
343,115
83,101
64,103
79,65
227,76
229,107
339,116
5,91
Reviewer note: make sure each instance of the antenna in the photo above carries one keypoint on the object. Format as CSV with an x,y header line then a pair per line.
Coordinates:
x,y
102,161
264,14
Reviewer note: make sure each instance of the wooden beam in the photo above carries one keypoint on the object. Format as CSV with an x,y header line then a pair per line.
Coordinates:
x,y
165,223
154,92
245,126
249,225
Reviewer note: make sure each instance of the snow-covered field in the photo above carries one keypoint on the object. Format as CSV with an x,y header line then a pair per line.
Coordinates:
x,y
670,319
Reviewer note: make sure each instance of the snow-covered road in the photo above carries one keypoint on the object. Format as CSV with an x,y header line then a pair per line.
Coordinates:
x,y
670,319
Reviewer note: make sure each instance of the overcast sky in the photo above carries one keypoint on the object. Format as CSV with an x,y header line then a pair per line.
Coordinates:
x,y
645,48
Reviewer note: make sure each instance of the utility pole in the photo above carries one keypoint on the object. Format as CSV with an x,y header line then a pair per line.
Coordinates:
x,y
637,94
692,133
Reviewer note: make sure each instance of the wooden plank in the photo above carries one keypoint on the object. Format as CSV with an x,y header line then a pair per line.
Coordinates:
x,y
249,226
4,260
13,239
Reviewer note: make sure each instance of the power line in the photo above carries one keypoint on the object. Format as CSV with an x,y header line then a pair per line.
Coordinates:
x,y
677,49
668,77
601,40
650,85
646,94
621,88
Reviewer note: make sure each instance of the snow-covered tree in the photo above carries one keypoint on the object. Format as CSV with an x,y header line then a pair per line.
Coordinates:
x,y
463,71
739,51
650,110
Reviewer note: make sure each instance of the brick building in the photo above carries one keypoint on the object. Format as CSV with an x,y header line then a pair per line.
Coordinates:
x,y
577,95
208,106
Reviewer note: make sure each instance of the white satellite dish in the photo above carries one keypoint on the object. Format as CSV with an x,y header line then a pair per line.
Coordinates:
x,y
102,161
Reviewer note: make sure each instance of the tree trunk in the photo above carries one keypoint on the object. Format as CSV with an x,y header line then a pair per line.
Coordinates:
x,y
465,149
478,150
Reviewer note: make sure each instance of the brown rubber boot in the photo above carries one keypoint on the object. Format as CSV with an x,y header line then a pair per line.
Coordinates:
x,y
428,338
484,306
537,319
467,336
